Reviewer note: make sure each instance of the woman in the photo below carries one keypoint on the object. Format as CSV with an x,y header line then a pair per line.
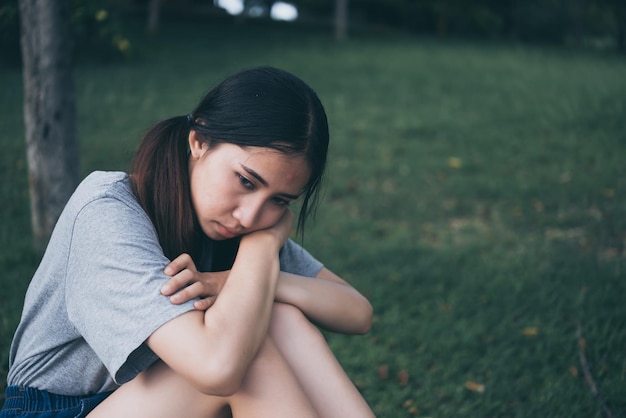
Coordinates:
x,y
175,291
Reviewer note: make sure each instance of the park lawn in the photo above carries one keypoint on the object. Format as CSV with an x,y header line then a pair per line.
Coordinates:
x,y
476,194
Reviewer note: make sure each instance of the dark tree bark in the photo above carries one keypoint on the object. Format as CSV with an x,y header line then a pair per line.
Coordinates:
x,y
620,15
154,15
341,19
49,111
577,10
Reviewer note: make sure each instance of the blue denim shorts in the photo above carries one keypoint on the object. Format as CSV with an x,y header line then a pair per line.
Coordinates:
x,y
28,402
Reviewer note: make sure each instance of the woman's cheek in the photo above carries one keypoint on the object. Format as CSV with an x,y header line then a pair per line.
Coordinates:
x,y
272,216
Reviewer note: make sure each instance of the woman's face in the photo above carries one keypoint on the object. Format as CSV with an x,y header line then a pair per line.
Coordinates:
x,y
238,190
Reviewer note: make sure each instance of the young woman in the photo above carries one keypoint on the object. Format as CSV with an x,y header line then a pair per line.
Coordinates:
x,y
175,291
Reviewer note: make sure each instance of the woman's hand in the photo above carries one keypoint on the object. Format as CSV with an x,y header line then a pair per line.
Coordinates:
x,y
188,283
280,231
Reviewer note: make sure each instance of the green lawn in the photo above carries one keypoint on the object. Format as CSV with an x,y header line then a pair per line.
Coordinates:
x,y
476,194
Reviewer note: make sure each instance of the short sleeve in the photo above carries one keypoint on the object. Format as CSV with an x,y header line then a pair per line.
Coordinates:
x,y
296,260
114,275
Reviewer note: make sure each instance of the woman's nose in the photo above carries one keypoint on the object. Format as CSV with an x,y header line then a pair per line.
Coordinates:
x,y
248,211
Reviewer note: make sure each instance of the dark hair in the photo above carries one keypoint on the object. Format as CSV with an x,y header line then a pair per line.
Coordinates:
x,y
261,107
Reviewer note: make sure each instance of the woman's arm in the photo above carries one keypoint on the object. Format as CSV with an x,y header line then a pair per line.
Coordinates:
x,y
213,348
327,300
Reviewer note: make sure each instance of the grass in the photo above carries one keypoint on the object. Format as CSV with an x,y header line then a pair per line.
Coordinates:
x,y
476,194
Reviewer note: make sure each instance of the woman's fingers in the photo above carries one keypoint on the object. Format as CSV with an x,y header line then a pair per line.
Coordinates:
x,y
182,269
178,282
194,290
205,303
187,283
180,263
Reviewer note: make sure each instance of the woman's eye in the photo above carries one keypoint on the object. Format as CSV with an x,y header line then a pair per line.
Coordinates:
x,y
281,202
245,182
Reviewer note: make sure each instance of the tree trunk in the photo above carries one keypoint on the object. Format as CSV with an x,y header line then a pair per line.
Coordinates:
x,y
154,14
49,111
620,15
577,15
341,19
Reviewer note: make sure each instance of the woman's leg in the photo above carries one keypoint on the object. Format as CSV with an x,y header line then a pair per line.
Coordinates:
x,y
269,390
321,376
159,392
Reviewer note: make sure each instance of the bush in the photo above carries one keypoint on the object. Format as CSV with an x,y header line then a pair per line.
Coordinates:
x,y
545,21
96,28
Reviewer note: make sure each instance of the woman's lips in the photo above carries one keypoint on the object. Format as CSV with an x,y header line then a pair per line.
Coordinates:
x,y
227,232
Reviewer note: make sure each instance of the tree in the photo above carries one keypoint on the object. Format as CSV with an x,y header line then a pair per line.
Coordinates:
x,y
49,111
341,19
154,15
619,7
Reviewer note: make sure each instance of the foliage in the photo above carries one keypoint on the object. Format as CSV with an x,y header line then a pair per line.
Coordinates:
x,y
98,30
96,27
553,21
100,36
535,20
476,194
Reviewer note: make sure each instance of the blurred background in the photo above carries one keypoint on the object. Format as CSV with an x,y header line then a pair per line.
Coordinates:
x,y
596,24
476,191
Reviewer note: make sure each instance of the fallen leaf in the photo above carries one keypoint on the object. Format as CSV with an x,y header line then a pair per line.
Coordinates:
x,y
565,177
608,253
530,331
403,377
573,371
446,307
413,410
609,193
455,162
408,403
383,372
475,387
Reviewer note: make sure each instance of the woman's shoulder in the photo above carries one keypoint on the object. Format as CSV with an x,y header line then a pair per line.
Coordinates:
x,y
104,184
103,181
109,191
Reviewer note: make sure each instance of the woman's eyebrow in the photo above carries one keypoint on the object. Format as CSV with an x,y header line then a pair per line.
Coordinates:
x,y
254,174
264,183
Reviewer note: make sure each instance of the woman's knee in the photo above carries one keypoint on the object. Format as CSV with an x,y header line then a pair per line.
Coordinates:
x,y
288,321
288,315
158,391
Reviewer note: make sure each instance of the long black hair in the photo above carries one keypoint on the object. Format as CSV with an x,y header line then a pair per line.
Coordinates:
x,y
261,107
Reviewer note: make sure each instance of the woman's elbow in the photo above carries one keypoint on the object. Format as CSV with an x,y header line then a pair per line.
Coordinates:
x,y
217,378
365,318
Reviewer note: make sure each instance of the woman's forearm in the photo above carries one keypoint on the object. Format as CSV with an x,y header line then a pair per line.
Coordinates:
x,y
240,316
213,349
327,301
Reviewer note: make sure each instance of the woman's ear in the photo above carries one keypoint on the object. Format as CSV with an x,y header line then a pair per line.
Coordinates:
x,y
197,147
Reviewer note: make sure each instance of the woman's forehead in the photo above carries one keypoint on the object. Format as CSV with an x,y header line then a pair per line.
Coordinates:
x,y
273,167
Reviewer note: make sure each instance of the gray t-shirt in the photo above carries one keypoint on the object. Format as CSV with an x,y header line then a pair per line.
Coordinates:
x,y
95,297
